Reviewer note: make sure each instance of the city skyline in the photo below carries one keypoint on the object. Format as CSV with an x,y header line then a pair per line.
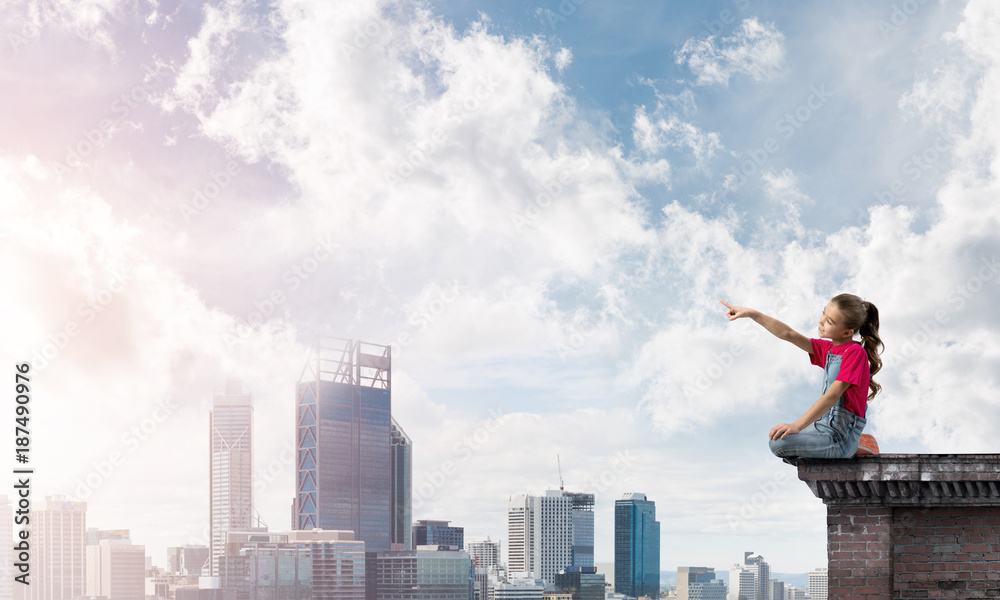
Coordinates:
x,y
536,206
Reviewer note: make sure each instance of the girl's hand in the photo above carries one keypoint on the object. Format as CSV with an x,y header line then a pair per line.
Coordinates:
x,y
736,312
780,430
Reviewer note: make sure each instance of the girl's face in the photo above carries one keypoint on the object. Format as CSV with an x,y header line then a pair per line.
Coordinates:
x,y
831,325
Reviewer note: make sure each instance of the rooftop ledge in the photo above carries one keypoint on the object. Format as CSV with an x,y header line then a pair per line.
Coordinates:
x,y
905,479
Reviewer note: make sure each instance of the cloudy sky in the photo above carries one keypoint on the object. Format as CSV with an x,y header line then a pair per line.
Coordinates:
x,y
538,203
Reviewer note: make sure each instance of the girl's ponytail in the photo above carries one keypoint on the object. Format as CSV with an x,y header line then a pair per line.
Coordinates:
x,y
872,343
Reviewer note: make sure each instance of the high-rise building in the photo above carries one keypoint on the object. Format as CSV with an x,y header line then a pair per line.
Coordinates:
x,y
426,573
344,439
699,583
485,553
818,584
761,575
583,529
742,583
401,488
540,534
7,550
438,533
230,465
518,535
582,583
116,569
58,533
637,547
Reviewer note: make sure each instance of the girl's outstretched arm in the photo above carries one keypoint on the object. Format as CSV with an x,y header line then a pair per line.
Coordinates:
x,y
776,327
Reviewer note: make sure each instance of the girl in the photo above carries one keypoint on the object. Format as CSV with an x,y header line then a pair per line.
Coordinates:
x,y
832,427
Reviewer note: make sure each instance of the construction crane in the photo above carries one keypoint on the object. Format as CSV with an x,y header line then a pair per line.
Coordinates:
x,y
559,464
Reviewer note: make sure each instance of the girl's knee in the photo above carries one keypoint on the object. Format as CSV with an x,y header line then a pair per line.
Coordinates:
x,y
778,447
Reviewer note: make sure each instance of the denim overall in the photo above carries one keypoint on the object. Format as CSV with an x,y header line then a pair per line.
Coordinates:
x,y
834,435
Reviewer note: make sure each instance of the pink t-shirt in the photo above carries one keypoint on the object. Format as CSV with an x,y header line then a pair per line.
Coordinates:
x,y
854,369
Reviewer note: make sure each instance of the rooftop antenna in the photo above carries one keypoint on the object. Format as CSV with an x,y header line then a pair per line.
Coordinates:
x,y
559,464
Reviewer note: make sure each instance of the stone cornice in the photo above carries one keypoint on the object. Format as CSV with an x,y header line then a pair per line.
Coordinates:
x,y
905,479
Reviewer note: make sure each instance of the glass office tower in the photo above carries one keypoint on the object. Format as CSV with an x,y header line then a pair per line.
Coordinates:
x,y
637,547
344,471
583,529
402,496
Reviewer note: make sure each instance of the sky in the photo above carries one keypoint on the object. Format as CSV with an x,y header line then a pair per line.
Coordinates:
x,y
538,204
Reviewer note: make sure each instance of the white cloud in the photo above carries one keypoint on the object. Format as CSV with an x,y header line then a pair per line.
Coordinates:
x,y
652,136
90,20
756,50
563,58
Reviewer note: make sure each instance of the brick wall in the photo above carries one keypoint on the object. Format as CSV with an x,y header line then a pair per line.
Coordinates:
x,y
947,553
910,525
860,550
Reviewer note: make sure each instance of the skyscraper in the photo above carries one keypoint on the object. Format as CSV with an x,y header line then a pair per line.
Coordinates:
x,y
230,465
402,494
58,549
344,441
540,534
761,574
637,547
583,528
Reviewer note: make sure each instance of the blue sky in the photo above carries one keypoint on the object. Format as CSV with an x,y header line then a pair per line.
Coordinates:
x,y
540,215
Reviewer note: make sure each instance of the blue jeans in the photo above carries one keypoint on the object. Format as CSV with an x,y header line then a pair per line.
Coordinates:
x,y
834,435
